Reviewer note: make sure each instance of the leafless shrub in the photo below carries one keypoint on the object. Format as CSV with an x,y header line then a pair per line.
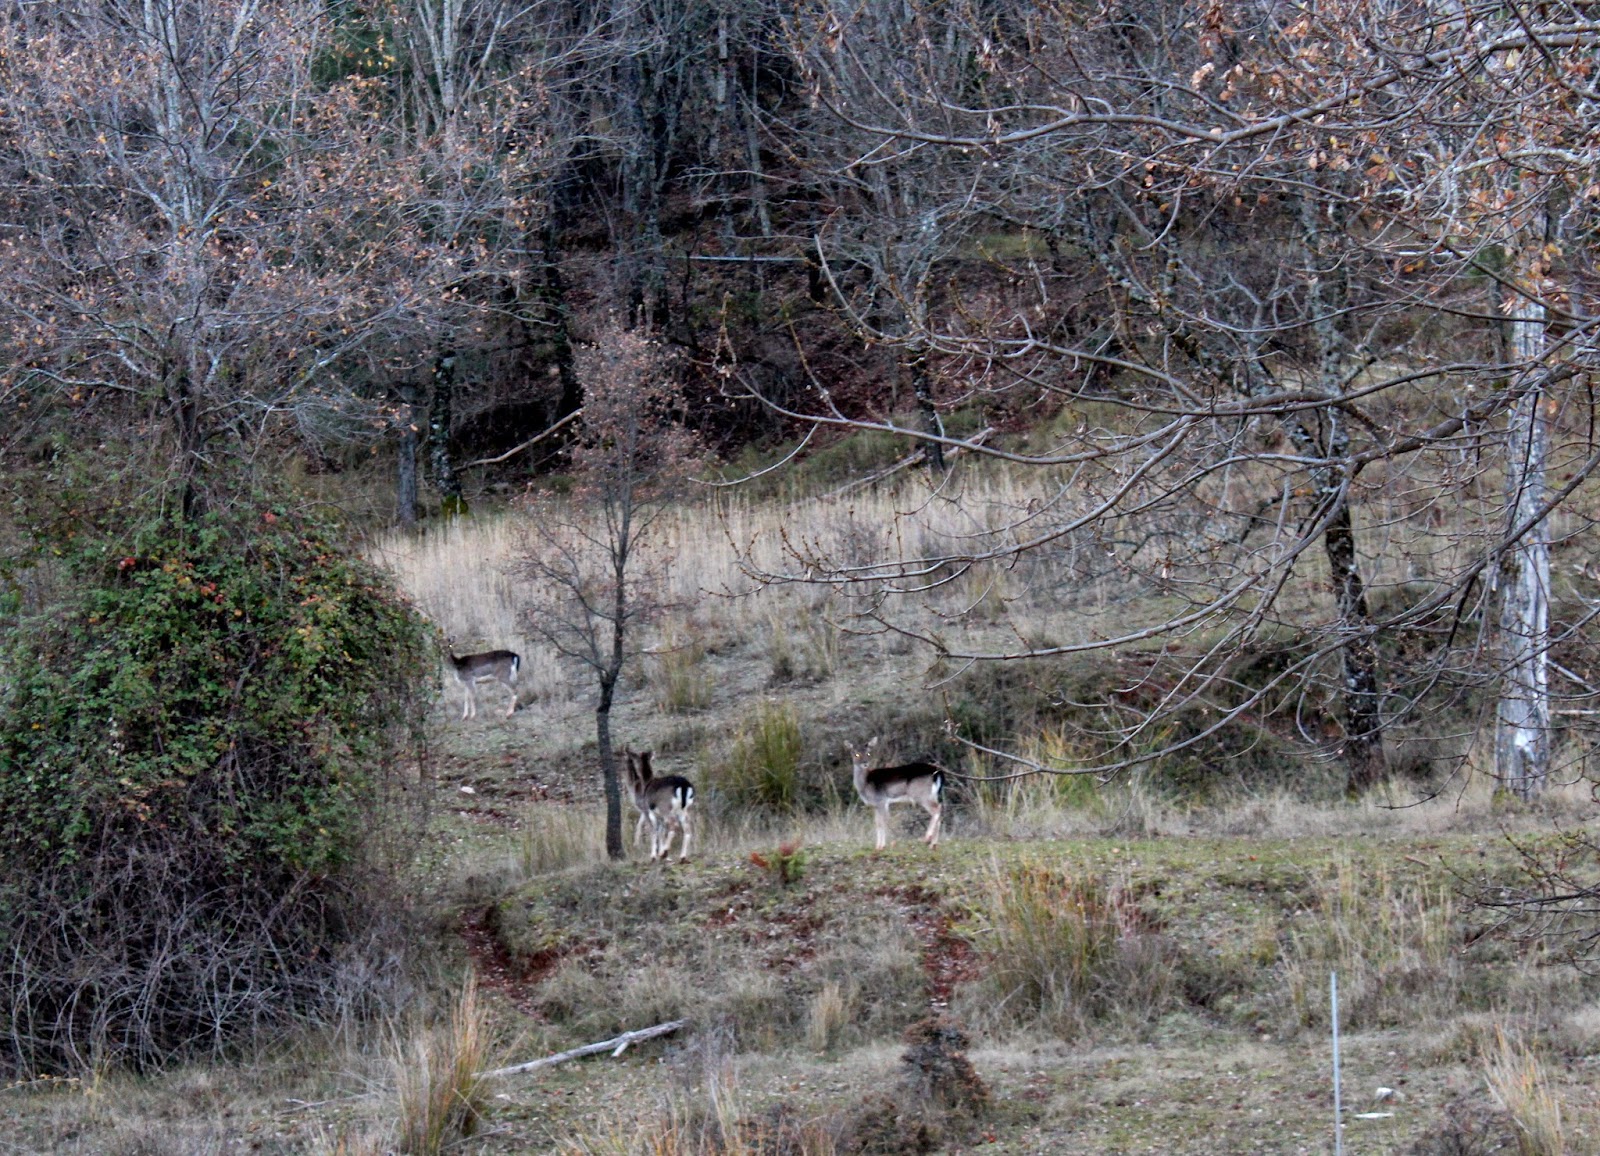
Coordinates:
x,y
1467,1127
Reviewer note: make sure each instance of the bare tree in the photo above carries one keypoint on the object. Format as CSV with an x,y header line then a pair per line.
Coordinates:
x,y
200,239
586,551
1287,216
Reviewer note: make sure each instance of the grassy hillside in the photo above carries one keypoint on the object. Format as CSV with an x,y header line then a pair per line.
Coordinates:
x,y
1137,966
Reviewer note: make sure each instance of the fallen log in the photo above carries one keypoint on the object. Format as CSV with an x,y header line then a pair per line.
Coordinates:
x,y
616,1046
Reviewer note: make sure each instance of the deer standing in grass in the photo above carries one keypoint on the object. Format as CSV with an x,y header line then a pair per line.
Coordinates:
x,y
664,803
494,666
882,787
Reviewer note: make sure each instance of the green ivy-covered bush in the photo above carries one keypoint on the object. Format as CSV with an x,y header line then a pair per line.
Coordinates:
x,y
203,726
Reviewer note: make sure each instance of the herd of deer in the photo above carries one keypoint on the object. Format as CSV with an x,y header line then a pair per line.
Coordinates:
x,y
664,804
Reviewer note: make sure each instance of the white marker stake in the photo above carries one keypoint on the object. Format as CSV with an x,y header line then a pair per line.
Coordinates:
x,y
1333,1003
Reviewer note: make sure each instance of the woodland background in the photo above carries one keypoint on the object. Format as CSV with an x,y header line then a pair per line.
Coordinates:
x,y
1210,383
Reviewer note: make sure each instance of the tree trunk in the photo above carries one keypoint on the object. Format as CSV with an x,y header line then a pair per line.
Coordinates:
x,y
445,478
558,314
1327,294
922,390
1522,720
406,471
642,248
608,768
1363,722
191,439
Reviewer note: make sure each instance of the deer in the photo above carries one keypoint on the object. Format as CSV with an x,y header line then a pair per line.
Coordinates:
x,y
663,803
492,666
882,787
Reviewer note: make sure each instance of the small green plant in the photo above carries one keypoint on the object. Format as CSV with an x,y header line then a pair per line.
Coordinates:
x,y
439,1080
784,866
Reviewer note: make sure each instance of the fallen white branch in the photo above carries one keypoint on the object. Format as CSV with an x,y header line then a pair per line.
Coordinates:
x,y
616,1046
533,441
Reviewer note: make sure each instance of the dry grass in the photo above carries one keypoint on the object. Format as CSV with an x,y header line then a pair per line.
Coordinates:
x,y
1518,1083
1065,950
708,550
1394,944
830,1012
440,1093
555,838
713,1124
677,671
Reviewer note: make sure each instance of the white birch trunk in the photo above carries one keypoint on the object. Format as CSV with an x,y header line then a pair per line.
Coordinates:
x,y
1522,721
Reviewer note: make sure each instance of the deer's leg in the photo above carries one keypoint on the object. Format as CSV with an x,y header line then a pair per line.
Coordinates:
x,y
468,706
683,821
932,837
882,824
512,709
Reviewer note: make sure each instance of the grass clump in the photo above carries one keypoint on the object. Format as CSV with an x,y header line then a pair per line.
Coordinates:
x,y
1067,950
830,1013
1518,1083
807,651
439,1082
554,838
1393,944
764,768
681,682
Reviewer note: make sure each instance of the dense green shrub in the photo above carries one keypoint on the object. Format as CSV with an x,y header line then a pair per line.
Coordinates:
x,y
202,724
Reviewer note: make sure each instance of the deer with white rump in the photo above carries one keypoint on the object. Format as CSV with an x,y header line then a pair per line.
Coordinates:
x,y
493,666
882,787
663,803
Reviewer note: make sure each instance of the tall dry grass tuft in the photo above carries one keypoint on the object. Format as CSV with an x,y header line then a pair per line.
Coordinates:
x,y
830,1013
1066,951
554,838
1517,1080
1392,943
677,671
439,1081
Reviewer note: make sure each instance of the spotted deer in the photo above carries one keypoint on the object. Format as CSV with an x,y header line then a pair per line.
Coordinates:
x,y
494,666
881,787
663,803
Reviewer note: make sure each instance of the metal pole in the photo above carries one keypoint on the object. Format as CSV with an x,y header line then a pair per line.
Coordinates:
x,y
1333,1003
